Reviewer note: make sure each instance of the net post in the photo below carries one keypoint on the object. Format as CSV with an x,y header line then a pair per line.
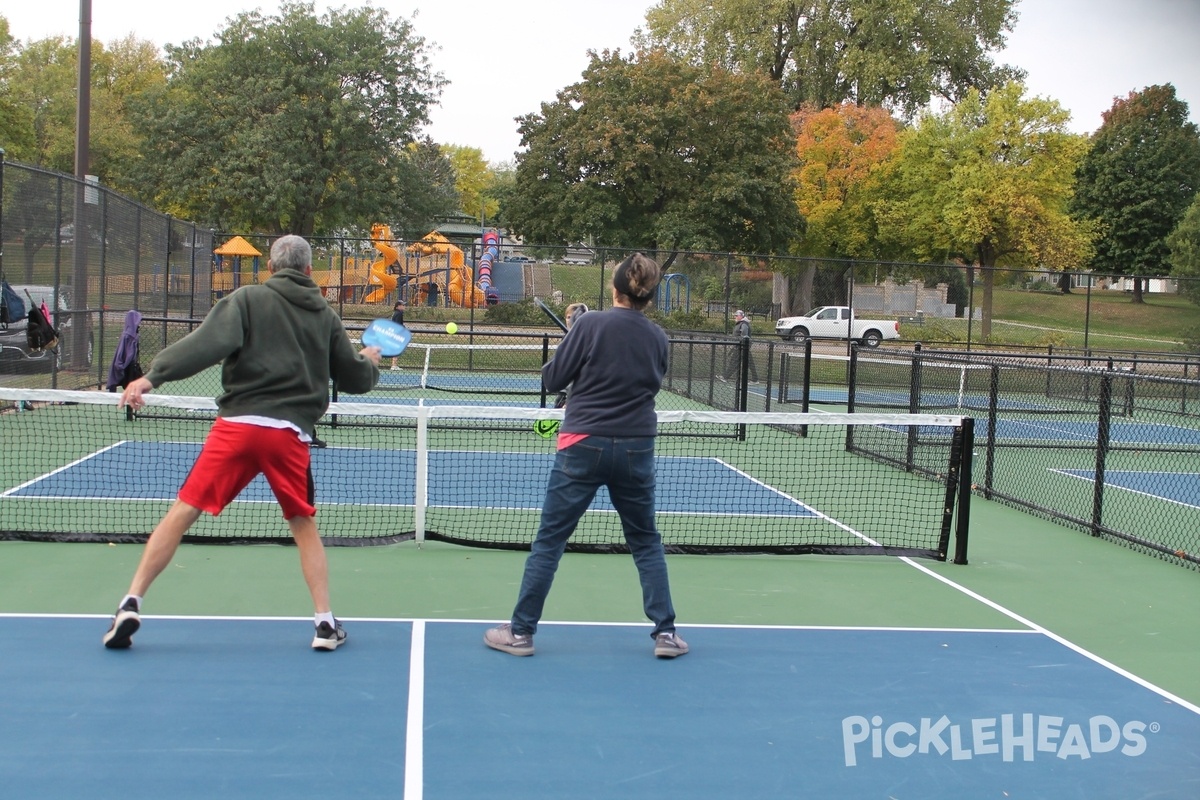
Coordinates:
x,y
421,476
1102,438
962,524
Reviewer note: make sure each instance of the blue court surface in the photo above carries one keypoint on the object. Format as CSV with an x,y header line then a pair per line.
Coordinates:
x,y
685,485
489,381
413,709
902,399
1177,487
1119,432
1074,432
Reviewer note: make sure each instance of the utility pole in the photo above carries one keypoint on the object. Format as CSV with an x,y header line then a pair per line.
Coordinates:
x,y
83,124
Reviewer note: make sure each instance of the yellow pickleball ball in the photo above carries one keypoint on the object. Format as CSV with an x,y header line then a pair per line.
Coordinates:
x,y
451,328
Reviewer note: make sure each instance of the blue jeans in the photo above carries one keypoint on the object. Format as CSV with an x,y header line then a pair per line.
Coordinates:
x,y
626,467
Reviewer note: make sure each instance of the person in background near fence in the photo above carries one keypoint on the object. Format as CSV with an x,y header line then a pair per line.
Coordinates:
x,y
126,367
615,361
279,344
398,318
573,313
741,330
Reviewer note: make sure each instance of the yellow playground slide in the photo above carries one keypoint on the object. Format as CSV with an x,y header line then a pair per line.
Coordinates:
x,y
378,276
461,290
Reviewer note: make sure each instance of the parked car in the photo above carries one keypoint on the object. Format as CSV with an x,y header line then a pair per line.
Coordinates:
x,y
15,354
837,322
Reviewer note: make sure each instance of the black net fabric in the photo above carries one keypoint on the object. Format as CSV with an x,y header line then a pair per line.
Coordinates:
x,y
82,469
1107,445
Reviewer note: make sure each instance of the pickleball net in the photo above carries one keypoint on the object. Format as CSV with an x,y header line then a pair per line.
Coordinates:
x,y
80,469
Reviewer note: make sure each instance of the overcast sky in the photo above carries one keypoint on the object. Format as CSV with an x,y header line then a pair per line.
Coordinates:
x,y
503,59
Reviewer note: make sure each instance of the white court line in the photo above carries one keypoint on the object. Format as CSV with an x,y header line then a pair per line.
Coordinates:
x,y
1050,634
414,739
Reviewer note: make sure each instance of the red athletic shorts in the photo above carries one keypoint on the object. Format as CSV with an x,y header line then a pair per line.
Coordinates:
x,y
235,452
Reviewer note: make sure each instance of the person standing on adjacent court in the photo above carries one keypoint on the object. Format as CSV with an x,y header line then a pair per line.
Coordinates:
x,y
741,330
398,318
279,344
615,361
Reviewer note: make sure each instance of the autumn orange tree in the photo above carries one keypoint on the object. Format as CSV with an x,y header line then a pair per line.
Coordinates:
x,y
841,153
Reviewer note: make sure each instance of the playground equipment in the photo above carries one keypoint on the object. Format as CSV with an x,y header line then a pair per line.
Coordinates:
x,y
378,274
673,297
491,249
460,288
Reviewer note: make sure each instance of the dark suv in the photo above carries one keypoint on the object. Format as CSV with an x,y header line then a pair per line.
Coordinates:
x,y
15,354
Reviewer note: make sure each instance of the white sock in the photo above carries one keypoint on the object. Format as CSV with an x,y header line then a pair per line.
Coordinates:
x,y
325,616
135,598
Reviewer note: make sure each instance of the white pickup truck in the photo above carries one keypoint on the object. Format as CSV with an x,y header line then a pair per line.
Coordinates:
x,y
837,322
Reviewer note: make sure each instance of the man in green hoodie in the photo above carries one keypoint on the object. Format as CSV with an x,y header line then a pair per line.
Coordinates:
x,y
279,344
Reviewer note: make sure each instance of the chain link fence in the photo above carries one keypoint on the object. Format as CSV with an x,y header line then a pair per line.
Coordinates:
x,y
91,255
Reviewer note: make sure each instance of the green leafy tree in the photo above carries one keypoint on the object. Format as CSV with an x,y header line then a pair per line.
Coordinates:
x,y
41,78
292,123
502,187
651,152
1184,247
474,180
989,182
898,54
16,118
122,72
43,81
1137,180
431,191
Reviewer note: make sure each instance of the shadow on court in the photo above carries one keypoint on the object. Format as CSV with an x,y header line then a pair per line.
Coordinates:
x,y
242,708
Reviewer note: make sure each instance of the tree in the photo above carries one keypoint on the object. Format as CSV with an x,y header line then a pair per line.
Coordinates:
x,y
1184,246
474,179
988,181
43,81
1137,180
431,189
122,72
291,123
16,118
900,54
41,78
841,152
651,152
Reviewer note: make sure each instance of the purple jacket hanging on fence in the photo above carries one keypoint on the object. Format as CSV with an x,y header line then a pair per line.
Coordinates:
x,y
125,366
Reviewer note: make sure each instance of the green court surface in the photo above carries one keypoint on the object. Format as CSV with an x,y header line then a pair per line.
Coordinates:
x,y
1127,608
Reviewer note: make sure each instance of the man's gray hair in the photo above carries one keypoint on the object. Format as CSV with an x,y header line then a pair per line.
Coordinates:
x,y
291,252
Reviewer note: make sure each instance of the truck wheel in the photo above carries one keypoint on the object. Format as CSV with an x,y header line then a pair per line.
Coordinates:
x,y
872,338
798,334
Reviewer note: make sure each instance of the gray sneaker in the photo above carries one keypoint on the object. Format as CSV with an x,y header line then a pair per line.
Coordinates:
x,y
669,645
503,639
329,637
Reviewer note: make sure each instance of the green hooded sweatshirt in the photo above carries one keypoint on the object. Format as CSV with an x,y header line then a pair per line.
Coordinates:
x,y
279,343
